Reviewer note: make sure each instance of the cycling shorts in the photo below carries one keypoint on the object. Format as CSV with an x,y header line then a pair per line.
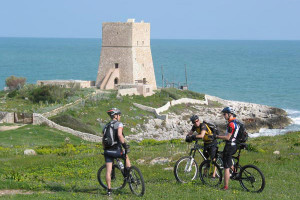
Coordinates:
x,y
229,150
111,154
210,151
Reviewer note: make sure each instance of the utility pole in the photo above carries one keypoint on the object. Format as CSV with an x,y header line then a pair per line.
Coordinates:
x,y
162,76
185,76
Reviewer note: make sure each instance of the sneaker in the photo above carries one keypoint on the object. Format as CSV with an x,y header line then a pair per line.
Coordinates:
x,y
109,193
225,188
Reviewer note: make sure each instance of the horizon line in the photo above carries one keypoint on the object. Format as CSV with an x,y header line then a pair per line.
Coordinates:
x,y
151,38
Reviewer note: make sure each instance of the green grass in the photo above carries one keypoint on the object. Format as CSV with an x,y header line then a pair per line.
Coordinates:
x,y
32,136
165,95
96,107
72,174
20,104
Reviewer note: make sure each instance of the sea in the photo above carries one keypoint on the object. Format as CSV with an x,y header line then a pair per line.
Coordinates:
x,y
257,71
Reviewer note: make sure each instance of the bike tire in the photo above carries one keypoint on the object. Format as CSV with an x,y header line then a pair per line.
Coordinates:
x,y
207,174
249,175
182,174
117,179
136,181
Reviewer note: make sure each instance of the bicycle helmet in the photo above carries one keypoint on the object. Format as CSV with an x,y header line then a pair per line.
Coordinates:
x,y
228,110
194,118
113,111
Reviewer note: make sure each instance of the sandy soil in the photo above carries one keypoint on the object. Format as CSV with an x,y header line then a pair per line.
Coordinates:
x,y
13,192
6,128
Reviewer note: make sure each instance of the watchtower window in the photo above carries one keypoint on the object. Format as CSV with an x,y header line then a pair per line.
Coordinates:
x,y
116,81
144,81
137,43
142,42
116,65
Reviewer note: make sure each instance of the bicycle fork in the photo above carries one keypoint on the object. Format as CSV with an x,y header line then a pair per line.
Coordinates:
x,y
189,164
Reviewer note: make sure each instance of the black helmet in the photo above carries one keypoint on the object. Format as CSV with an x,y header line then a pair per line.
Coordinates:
x,y
113,111
194,118
228,110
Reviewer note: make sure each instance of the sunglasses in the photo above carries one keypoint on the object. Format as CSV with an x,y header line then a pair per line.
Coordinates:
x,y
194,122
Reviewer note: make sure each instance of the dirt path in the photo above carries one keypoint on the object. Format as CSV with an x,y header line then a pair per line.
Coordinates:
x,y
13,192
6,128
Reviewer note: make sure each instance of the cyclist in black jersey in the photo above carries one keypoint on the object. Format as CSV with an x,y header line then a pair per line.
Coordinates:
x,y
203,132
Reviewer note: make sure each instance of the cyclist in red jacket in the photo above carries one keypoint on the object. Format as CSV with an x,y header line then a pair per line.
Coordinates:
x,y
230,146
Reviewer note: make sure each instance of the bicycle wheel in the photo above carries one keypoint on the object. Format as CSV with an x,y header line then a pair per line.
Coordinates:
x,y
210,173
252,179
136,181
117,179
186,169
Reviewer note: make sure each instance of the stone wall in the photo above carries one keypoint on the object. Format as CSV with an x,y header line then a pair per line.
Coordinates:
x,y
128,91
6,117
165,107
40,119
65,107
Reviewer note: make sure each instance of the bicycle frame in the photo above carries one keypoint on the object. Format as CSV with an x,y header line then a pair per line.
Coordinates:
x,y
196,148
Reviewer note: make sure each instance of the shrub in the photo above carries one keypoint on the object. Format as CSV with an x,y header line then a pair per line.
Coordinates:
x,y
50,94
13,82
12,94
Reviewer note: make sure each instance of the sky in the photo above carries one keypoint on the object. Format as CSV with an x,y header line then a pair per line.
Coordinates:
x,y
170,19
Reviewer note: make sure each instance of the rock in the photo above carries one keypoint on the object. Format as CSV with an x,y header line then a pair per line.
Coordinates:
x,y
29,152
67,140
159,161
140,161
276,152
169,168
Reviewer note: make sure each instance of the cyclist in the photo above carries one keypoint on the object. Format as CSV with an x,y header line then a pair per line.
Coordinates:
x,y
230,146
203,132
115,151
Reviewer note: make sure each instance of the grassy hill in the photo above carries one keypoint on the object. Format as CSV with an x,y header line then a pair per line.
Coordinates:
x,y
87,113
68,169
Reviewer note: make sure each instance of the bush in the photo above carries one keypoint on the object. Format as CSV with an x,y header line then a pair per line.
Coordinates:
x,y
13,82
50,94
12,94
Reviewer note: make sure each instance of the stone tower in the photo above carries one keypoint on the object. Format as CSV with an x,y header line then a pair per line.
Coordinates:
x,y
126,57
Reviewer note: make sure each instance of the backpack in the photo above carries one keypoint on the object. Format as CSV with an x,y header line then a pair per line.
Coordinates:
x,y
109,138
214,129
242,135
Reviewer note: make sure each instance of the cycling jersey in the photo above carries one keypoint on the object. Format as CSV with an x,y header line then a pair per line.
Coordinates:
x,y
208,132
233,129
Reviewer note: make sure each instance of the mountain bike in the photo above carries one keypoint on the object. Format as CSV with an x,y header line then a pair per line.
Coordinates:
x,y
250,177
121,175
186,168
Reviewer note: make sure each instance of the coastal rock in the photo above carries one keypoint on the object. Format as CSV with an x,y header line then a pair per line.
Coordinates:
x,y
254,116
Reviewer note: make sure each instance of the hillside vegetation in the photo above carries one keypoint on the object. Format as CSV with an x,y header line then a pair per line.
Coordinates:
x,y
67,167
93,110
39,99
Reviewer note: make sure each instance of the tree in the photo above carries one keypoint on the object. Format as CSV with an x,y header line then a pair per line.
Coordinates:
x,y
13,82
